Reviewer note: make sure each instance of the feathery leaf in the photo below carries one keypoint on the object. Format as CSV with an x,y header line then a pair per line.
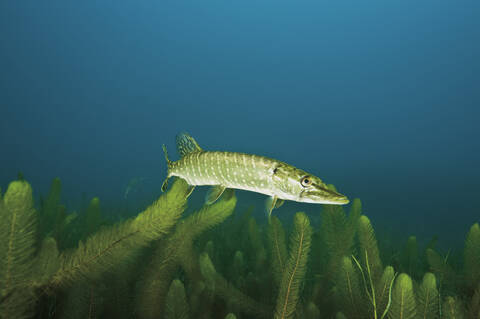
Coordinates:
x,y
46,262
17,245
113,244
452,308
295,267
177,251
427,307
439,266
474,306
277,248
403,300
348,288
382,289
472,256
368,244
176,306
218,285
410,256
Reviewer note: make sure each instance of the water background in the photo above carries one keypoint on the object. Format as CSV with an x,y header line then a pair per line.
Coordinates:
x,y
380,98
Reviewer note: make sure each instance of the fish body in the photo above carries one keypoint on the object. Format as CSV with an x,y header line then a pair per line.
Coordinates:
x,y
232,170
255,173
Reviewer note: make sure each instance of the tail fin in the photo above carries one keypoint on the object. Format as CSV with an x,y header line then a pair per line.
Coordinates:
x,y
169,164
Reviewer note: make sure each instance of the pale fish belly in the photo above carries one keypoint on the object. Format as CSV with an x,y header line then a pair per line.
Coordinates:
x,y
233,170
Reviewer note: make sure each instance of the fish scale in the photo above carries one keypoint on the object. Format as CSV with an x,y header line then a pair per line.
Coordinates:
x,y
233,170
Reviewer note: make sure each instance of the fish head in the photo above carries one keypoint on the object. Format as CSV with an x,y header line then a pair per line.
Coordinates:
x,y
296,184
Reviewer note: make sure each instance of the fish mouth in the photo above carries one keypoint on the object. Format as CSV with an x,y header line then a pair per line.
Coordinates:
x,y
342,200
323,195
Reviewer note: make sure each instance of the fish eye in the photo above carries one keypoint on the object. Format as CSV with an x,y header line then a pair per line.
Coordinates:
x,y
306,181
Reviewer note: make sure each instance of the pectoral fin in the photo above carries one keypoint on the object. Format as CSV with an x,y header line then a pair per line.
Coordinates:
x,y
214,193
279,203
270,204
165,184
190,190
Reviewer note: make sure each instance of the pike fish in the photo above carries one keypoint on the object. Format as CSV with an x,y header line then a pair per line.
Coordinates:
x,y
229,170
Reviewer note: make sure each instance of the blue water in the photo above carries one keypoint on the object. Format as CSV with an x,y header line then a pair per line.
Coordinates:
x,y
379,98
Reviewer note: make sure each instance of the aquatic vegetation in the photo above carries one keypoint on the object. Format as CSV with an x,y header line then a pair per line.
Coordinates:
x,y
277,248
409,257
21,271
472,256
403,299
348,288
52,213
218,261
427,306
17,240
368,248
453,308
176,305
177,251
383,291
295,267
115,243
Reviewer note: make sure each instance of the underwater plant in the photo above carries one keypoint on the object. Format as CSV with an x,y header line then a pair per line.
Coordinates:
x,y
369,252
52,214
218,261
23,270
120,241
428,297
176,305
175,251
403,299
17,248
295,267
472,257
277,248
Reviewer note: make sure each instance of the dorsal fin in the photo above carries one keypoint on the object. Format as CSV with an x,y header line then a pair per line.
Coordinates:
x,y
186,144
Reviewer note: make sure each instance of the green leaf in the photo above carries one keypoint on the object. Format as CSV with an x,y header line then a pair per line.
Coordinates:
x,y
428,307
453,308
403,300
46,262
176,306
382,289
17,245
410,256
348,286
472,256
176,251
295,267
440,267
368,244
277,248
114,244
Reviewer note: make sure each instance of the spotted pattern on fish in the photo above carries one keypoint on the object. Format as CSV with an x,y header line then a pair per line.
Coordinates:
x,y
248,172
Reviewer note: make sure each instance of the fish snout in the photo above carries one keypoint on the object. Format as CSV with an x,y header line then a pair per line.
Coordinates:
x,y
343,200
324,195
